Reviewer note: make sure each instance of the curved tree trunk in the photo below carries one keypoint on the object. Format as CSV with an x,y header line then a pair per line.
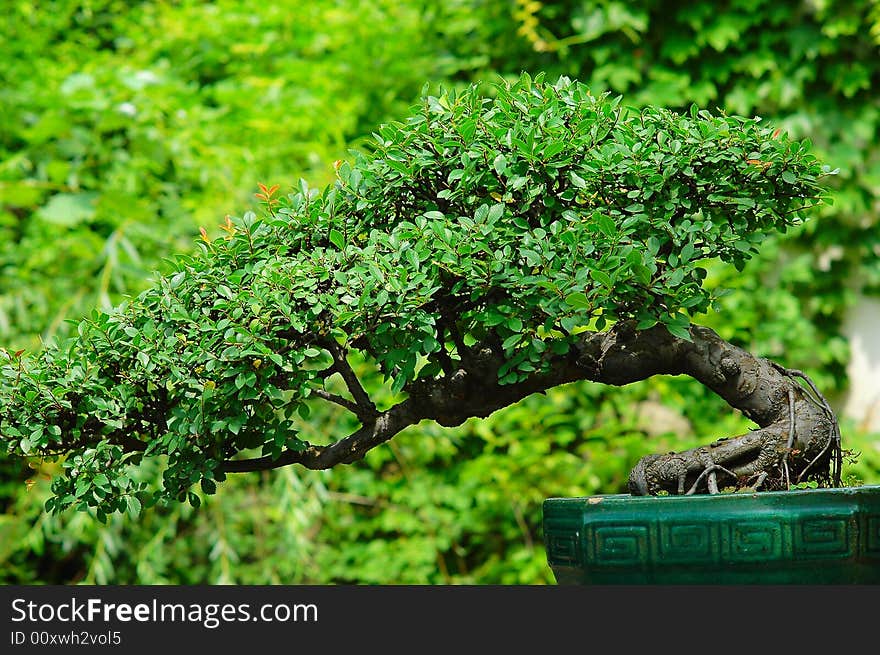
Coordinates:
x,y
798,438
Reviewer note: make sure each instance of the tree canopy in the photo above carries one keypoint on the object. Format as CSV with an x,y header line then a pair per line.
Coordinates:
x,y
486,231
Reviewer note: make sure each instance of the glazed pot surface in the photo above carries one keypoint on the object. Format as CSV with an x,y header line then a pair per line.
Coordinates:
x,y
808,536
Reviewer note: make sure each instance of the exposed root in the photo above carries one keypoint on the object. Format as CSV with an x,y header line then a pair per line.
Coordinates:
x,y
802,445
791,434
761,477
712,481
834,440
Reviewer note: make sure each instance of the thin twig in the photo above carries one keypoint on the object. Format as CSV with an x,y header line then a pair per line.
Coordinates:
x,y
366,407
339,400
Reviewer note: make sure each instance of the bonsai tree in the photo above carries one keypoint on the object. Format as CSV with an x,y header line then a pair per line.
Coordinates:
x,y
488,248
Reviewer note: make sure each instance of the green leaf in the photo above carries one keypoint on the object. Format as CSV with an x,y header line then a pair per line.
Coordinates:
x,y
495,212
500,164
676,277
578,300
605,224
133,505
554,148
687,252
337,239
679,331
601,277
511,341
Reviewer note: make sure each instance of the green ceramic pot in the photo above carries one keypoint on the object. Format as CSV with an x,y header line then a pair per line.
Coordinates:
x,y
811,536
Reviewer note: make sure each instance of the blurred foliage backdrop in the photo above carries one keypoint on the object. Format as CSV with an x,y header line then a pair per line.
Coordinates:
x,y
125,126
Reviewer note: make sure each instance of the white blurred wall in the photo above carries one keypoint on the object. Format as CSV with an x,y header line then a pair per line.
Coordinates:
x,y
863,329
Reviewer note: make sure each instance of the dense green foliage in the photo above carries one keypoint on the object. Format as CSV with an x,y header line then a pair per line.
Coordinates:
x,y
249,93
516,220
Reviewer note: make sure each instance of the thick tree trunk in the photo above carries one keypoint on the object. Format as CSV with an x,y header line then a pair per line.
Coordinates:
x,y
797,439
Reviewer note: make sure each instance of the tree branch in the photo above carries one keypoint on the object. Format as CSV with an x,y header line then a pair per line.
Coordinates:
x,y
366,409
763,391
339,400
345,451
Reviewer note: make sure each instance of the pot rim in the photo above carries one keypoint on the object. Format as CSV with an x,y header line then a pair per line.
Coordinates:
x,y
704,498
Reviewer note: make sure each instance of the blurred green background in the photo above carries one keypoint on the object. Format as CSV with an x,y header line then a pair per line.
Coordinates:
x,y
125,126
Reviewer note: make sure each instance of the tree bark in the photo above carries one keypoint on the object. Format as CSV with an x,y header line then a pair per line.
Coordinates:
x,y
797,439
